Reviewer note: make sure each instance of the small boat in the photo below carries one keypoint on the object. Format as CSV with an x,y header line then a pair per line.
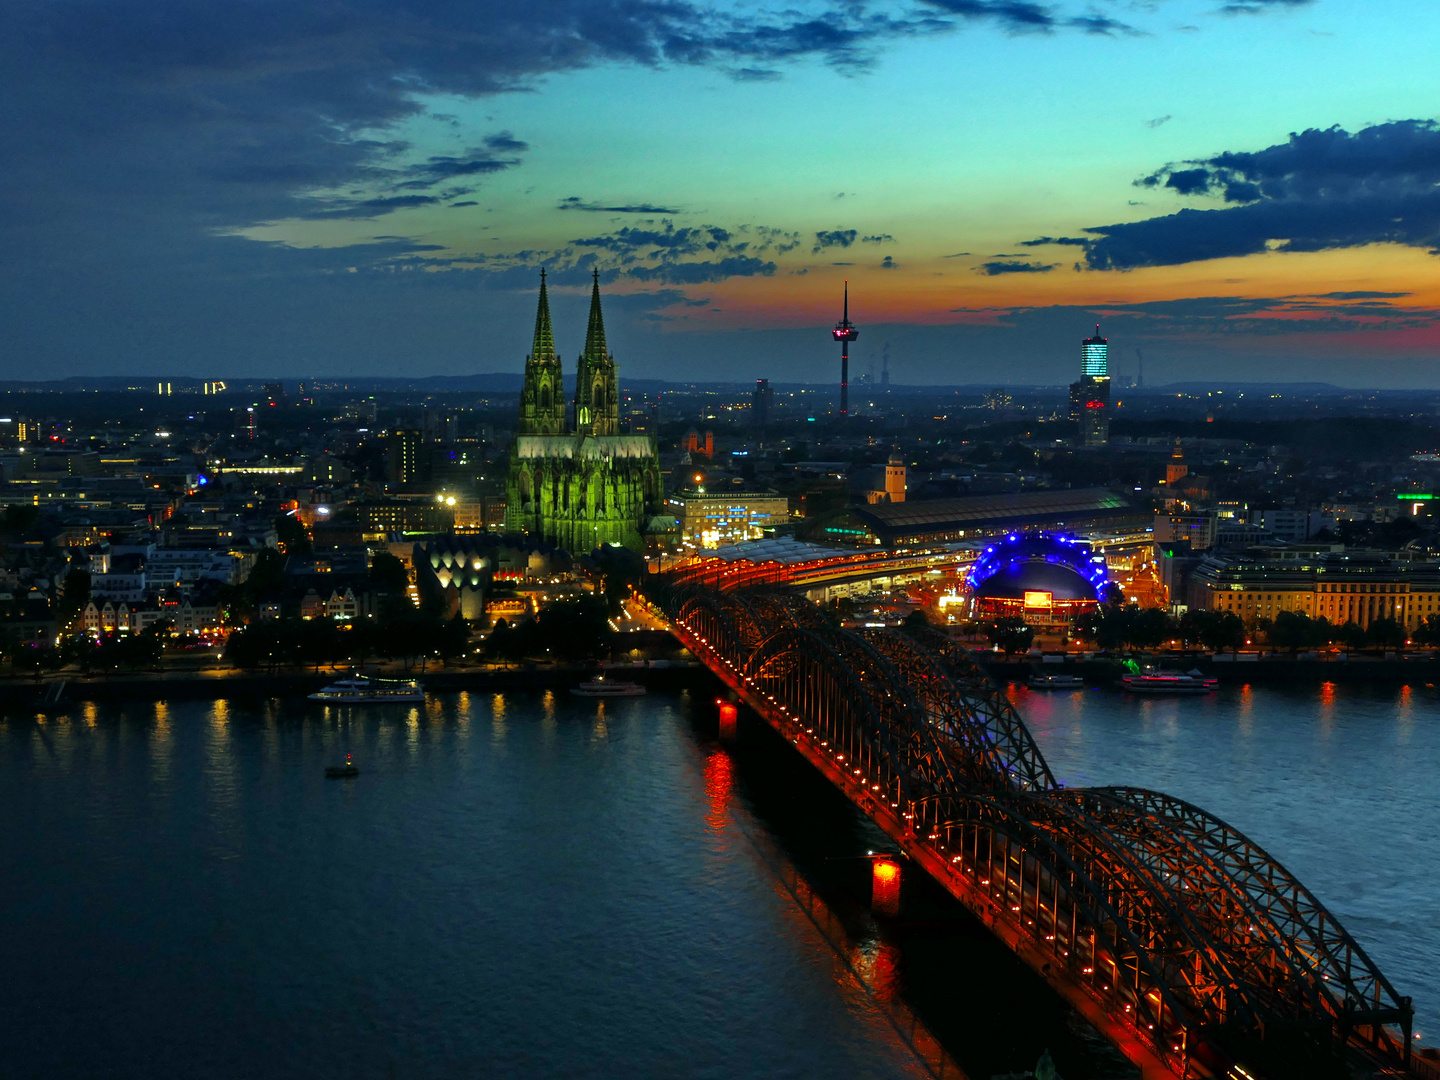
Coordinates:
x,y
602,687
1169,682
361,690
341,772
1055,682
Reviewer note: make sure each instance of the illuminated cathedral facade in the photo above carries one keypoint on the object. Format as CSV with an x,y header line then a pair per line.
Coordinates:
x,y
575,481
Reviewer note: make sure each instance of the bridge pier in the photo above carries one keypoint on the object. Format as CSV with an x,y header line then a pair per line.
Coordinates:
x,y
729,718
885,886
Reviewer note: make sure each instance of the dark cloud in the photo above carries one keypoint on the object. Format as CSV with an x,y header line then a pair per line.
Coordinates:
x,y
888,263
683,256
699,273
755,75
467,202
834,238
1259,7
1096,23
1013,14
574,202
1320,189
1040,241
371,208
1158,121
1020,16
504,142
666,242
1363,294
879,238
994,269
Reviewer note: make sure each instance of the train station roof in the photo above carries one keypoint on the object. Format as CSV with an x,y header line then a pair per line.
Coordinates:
x,y
781,549
1064,508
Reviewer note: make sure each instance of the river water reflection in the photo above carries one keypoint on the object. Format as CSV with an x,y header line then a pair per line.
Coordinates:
x,y
516,886
527,885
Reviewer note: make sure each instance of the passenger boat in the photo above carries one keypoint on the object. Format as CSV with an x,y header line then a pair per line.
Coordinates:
x,y
341,772
360,690
602,687
1055,682
1168,682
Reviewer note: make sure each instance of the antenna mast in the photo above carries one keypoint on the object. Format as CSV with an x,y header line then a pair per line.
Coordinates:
x,y
845,332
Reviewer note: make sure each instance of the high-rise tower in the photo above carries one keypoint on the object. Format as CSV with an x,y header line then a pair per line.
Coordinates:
x,y
597,387
845,332
762,404
1090,397
542,400
1096,356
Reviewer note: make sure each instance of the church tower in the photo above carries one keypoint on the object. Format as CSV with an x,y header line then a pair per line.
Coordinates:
x,y
542,401
597,388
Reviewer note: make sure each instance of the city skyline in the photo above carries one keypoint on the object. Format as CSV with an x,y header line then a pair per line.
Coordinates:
x,y
374,190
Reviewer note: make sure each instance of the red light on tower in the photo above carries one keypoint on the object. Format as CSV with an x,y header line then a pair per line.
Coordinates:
x,y
845,332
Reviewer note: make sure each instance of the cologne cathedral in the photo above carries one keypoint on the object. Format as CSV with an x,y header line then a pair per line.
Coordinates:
x,y
582,485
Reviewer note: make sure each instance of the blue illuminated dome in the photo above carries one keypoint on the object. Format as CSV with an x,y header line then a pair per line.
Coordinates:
x,y
1040,563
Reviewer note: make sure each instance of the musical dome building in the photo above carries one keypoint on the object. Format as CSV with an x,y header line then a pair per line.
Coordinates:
x,y
1046,578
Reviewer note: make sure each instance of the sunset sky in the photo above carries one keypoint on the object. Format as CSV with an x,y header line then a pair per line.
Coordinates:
x,y
1242,190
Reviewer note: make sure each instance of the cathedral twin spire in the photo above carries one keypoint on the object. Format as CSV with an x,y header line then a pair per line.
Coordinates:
x,y
542,400
597,401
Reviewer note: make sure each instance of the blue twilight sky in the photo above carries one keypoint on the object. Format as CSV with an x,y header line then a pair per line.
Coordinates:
x,y
1242,190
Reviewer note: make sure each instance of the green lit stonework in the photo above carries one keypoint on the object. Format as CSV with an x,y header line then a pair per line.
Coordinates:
x,y
582,486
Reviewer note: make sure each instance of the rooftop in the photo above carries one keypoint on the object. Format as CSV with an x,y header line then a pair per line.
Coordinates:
x,y
979,511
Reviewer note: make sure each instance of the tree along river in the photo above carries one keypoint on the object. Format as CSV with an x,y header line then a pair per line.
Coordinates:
x,y
532,885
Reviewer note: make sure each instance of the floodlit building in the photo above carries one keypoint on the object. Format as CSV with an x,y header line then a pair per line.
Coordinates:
x,y
1045,578
1340,586
582,486
728,514
1090,397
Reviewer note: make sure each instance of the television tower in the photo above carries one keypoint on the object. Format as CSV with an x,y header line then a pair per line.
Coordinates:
x,y
845,332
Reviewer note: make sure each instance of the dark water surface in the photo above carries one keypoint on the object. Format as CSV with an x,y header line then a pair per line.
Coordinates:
x,y
535,886
514,887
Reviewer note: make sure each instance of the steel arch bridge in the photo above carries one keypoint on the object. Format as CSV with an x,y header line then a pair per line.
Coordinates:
x,y
1189,946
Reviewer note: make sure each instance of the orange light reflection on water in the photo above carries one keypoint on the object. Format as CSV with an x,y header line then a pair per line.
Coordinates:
x,y
719,782
877,962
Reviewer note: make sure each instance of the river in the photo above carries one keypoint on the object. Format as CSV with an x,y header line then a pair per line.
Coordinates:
x,y
530,885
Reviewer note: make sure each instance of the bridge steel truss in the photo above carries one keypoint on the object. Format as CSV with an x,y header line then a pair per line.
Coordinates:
x,y
1173,932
